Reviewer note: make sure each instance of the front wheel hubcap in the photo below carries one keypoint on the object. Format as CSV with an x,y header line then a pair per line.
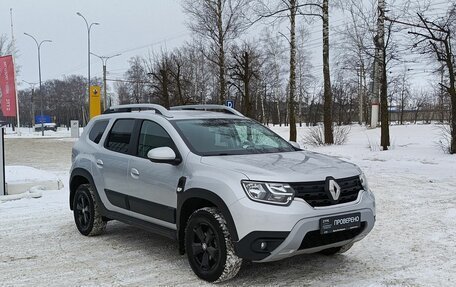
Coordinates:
x,y
205,248
83,213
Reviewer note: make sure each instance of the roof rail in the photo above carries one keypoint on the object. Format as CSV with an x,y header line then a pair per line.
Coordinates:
x,y
137,108
214,108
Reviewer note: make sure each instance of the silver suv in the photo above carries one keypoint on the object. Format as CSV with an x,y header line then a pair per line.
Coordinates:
x,y
224,186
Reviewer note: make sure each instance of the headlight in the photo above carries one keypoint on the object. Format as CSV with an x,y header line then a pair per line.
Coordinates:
x,y
268,192
363,179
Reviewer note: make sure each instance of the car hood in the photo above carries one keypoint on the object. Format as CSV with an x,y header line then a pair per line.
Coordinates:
x,y
285,167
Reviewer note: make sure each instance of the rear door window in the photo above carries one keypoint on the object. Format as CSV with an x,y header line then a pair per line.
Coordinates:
x,y
120,135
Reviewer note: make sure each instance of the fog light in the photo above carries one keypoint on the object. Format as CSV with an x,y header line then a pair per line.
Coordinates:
x,y
263,245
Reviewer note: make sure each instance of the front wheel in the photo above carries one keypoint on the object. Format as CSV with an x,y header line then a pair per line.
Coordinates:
x,y
209,247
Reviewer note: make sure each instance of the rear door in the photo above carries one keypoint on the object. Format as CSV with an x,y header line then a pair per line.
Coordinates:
x,y
112,162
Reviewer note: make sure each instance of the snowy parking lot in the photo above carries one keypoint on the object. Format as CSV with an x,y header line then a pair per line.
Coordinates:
x,y
412,244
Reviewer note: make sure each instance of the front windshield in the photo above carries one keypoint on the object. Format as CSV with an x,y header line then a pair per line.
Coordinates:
x,y
230,137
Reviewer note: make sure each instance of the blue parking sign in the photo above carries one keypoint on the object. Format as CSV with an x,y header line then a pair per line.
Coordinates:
x,y
230,104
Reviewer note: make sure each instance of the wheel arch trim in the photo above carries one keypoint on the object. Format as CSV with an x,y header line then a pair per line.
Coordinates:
x,y
206,195
79,172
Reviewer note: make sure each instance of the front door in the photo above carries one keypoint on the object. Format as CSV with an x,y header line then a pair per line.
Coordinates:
x,y
153,185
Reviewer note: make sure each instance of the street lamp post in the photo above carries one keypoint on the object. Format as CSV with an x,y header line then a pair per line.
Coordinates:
x,y
104,61
38,45
32,110
89,27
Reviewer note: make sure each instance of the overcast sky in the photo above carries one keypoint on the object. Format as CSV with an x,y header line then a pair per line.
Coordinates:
x,y
129,27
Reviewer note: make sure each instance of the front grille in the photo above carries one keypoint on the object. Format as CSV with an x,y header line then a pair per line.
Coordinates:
x,y
316,239
314,192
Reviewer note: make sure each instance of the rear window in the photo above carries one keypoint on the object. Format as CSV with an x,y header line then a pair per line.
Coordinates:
x,y
97,130
120,136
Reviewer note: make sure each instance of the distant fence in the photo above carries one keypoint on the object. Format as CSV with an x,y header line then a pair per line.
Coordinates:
x,y
421,115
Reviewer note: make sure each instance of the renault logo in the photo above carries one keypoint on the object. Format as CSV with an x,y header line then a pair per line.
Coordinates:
x,y
332,188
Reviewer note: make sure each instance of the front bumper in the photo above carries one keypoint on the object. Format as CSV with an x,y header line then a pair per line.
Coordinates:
x,y
293,230
305,237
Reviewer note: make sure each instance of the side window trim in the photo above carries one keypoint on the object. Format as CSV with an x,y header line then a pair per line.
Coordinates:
x,y
132,150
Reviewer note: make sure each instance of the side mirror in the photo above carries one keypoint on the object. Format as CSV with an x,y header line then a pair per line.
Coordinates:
x,y
163,155
295,144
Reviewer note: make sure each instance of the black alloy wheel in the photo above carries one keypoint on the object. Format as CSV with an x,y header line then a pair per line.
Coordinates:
x,y
205,247
209,248
86,211
83,211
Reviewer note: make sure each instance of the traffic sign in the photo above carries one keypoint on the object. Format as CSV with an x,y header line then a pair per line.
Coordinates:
x,y
229,103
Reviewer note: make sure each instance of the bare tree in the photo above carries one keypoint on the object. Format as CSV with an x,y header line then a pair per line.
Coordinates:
x,y
355,49
137,80
304,78
289,8
220,22
419,101
244,69
6,46
273,53
159,69
402,93
434,36
122,91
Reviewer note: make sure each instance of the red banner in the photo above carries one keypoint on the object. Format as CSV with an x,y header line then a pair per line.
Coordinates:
x,y
7,86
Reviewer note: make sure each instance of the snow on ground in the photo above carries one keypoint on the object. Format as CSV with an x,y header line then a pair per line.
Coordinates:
x,y
31,133
412,243
15,174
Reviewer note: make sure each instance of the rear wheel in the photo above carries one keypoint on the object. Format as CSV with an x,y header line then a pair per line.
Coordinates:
x,y
209,247
87,215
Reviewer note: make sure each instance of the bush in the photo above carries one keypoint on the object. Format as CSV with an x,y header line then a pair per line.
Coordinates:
x,y
316,135
445,138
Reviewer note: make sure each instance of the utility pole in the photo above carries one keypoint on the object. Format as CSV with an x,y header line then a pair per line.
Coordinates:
x,y
38,46
89,28
32,108
104,61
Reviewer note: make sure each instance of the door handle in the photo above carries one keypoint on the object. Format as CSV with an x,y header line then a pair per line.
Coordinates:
x,y
134,173
99,163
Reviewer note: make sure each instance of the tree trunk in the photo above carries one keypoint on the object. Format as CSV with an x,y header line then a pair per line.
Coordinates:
x,y
246,79
385,138
221,55
452,91
165,95
327,109
291,99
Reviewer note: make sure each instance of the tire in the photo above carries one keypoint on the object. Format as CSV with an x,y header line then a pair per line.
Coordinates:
x,y
209,247
336,250
87,215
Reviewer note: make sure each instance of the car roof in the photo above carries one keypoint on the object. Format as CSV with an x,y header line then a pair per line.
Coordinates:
x,y
175,113
190,114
